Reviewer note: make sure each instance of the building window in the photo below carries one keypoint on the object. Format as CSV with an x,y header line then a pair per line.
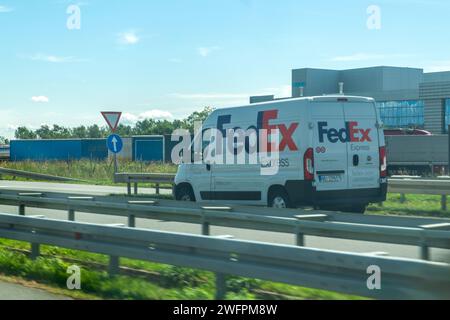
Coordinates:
x,y
447,114
402,114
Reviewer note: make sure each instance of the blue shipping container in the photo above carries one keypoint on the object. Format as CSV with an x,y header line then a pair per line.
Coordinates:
x,y
95,149
71,149
148,148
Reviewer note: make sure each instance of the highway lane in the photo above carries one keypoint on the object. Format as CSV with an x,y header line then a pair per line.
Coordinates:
x,y
315,242
71,188
11,291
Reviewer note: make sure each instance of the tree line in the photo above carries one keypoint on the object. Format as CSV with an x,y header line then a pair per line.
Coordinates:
x,y
143,127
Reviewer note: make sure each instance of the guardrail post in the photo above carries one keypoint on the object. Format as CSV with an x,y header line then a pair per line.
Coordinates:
x,y
205,228
300,239
131,221
221,279
22,210
221,286
113,268
35,251
402,198
424,252
157,188
444,202
129,188
135,188
71,215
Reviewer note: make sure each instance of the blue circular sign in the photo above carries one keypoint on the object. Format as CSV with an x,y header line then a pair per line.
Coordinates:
x,y
115,143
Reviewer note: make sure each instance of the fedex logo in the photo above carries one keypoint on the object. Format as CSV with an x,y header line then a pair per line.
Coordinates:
x,y
287,141
266,121
351,133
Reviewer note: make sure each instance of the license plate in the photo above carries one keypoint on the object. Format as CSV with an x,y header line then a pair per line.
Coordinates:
x,y
330,178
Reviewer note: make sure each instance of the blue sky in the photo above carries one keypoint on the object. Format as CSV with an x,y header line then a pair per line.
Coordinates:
x,y
165,59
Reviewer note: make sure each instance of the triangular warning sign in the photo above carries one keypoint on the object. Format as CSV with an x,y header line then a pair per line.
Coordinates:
x,y
112,119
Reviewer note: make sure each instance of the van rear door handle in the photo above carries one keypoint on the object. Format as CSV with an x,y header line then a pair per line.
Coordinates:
x,y
355,160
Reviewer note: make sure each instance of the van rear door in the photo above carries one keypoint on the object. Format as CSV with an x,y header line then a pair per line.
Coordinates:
x,y
363,145
330,151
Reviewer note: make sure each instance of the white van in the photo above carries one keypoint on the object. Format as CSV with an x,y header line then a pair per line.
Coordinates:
x,y
331,156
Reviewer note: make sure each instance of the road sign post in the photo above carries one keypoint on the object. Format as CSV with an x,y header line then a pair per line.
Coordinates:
x,y
115,145
112,118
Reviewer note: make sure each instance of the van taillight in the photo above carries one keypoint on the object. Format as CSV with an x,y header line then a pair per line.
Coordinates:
x,y
383,162
308,164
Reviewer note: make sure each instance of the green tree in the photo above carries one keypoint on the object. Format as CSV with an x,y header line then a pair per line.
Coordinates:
x,y
4,140
24,133
80,132
95,132
197,116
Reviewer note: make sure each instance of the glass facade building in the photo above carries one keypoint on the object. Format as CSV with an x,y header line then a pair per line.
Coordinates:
x,y
402,114
447,114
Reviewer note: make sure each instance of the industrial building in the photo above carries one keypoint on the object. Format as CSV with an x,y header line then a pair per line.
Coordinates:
x,y
406,97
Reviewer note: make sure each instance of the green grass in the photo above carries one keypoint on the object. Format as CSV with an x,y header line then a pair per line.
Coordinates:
x,y
154,282
96,172
415,205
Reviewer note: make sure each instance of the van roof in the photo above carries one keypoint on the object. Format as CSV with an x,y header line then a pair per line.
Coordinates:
x,y
324,98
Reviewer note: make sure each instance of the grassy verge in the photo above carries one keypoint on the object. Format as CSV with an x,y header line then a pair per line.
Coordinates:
x,y
415,205
138,280
99,172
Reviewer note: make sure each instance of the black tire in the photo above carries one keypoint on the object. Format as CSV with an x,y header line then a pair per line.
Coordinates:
x,y
357,208
279,198
185,193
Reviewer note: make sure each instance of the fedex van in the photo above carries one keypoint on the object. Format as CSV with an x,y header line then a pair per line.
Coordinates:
x,y
332,156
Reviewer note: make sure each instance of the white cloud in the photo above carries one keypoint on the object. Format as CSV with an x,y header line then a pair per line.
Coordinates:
x,y
175,60
129,118
367,56
4,9
279,92
40,99
217,99
207,96
128,37
438,66
53,58
284,91
206,51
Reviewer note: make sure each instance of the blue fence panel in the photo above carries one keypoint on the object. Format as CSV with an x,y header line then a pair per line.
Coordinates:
x,y
95,149
149,149
42,150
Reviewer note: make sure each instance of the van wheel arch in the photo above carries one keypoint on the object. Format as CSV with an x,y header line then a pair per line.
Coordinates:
x,y
278,191
184,189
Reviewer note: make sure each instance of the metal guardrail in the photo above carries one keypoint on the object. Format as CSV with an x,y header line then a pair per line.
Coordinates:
x,y
421,186
425,233
321,269
36,176
136,178
397,184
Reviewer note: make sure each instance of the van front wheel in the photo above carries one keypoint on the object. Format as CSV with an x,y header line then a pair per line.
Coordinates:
x,y
185,193
279,199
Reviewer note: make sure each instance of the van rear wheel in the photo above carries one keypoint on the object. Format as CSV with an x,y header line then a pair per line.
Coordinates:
x,y
279,199
357,208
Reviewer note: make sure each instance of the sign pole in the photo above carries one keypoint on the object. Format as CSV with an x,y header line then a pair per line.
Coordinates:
x,y
112,118
116,164
448,163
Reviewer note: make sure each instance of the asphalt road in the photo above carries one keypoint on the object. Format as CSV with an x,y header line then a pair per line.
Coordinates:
x,y
10,291
315,242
